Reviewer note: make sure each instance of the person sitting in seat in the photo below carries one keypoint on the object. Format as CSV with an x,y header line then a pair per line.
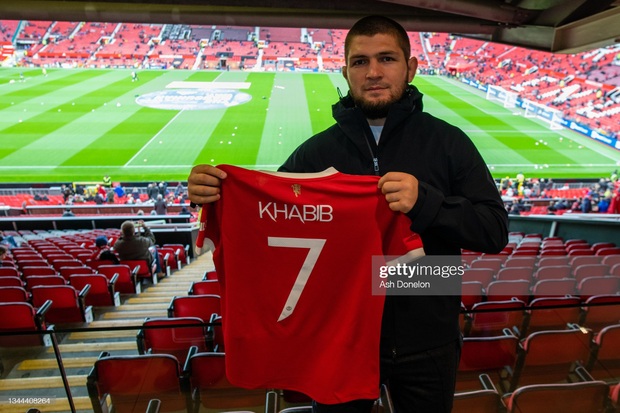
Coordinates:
x,y
137,242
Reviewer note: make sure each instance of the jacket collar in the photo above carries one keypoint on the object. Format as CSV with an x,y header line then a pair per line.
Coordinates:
x,y
353,123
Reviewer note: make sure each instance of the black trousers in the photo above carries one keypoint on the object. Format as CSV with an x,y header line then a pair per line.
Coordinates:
x,y
419,383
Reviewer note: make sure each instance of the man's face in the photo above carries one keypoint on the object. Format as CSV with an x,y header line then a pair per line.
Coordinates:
x,y
377,73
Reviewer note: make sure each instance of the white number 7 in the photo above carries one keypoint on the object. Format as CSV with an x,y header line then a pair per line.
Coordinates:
x,y
315,246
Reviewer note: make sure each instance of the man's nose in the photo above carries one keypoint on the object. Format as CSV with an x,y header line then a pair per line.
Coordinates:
x,y
374,69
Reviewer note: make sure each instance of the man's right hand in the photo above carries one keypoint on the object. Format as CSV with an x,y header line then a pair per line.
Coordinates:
x,y
203,184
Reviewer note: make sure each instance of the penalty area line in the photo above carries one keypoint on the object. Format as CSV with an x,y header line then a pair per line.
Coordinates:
x,y
152,139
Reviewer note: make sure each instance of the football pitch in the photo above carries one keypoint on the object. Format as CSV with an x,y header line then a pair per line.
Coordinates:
x,y
79,125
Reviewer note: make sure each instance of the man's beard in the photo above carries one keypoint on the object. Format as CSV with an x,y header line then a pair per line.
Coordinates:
x,y
377,110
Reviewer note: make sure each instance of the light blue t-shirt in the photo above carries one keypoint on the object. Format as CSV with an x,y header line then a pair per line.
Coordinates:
x,y
376,131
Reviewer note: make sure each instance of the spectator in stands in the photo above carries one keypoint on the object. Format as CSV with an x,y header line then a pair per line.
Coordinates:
x,y
8,241
420,337
160,206
68,213
179,190
3,253
603,205
586,204
136,242
614,204
103,251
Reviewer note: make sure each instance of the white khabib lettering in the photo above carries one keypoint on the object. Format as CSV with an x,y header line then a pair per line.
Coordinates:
x,y
307,213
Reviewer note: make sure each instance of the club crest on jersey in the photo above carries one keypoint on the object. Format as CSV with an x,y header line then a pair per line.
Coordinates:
x,y
303,213
296,189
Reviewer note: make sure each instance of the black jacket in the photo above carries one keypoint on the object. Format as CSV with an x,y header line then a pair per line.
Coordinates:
x,y
458,204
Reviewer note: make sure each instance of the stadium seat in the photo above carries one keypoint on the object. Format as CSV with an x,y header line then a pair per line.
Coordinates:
x,y
591,286
14,295
176,339
548,357
528,261
490,318
482,275
8,272
37,280
550,313
515,274
101,292
209,275
127,282
581,397
16,317
608,251
173,257
552,261
67,303
614,395
483,400
579,260
66,272
201,306
604,361
554,288
204,287
507,290
552,272
181,251
490,355
126,384
493,263
210,387
144,270
11,282
472,292
215,334
590,270
600,311
611,260
38,270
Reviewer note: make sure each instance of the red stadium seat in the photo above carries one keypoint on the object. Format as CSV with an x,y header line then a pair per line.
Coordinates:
x,y
551,313
590,396
211,389
201,306
182,252
490,318
604,362
552,272
485,400
14,295
600,311
131,382
11,282
144,270
548,357
101,292
67,303
17,317
176,339
488,355
204,287
127,282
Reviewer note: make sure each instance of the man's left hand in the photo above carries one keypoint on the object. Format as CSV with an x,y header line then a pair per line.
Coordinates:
x,y
400,190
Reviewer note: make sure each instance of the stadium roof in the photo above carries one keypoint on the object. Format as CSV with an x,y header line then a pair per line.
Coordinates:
x,y
560,26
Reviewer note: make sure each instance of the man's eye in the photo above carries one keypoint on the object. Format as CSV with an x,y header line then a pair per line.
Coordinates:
x,y
357,62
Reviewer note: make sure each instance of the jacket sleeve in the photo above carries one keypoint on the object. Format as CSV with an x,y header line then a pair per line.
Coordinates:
x,y
149,236
472,215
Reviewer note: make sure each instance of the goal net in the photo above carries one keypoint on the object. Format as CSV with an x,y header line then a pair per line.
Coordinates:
x,y
550,116
507,98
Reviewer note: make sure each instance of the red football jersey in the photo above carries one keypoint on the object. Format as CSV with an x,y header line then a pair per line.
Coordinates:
x,y
293,253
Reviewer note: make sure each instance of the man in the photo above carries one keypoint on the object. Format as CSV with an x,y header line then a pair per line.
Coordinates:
x,y
132,246
431,172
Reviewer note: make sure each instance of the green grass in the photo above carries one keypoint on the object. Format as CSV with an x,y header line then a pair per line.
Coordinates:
x,y
78,125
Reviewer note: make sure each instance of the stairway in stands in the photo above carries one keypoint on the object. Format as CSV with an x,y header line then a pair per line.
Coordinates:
x,y
34,372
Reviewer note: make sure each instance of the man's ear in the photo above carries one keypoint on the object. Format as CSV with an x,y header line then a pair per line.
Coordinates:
x,y
412,67
344,73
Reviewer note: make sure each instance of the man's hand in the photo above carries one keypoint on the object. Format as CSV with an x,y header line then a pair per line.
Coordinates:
x,y
203,184
400,190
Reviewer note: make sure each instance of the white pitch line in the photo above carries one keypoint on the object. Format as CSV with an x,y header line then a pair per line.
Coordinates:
x,y
152,139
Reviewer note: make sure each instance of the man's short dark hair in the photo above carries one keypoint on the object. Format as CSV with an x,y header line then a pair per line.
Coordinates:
x,y
372,25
